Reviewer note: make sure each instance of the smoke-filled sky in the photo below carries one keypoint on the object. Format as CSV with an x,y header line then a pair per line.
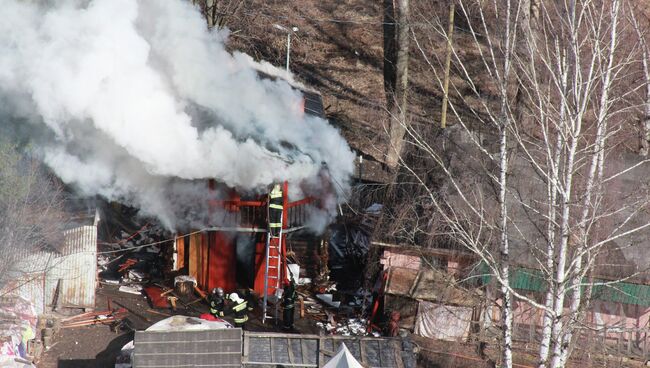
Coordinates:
x,y
124,97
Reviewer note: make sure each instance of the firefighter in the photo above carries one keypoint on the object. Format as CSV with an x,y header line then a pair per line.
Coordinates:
x,y
239,309
217,302
250,300
288,304
276,202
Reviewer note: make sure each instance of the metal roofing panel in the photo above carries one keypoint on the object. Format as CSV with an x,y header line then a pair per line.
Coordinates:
x,y
619,292
28,287
76,268
313,104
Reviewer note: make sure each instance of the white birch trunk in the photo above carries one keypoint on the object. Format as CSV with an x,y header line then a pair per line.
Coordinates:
x,y
553,189
506,313
645,119
503,174
594,178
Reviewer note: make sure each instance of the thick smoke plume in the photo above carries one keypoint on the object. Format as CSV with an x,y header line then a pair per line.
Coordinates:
x,y
129,99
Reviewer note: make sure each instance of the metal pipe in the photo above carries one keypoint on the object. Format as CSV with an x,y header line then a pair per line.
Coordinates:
x,y
288,48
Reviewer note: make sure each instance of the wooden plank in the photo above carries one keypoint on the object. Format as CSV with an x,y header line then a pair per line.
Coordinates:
x,y
397,350
303,352
309,337
415,283
328,353
290,351
630,333
204,261
286,336
282,365
321,353
193,268
645,345
362,350
180,252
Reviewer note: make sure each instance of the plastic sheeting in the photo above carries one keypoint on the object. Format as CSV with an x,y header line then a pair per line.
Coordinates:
x,y
343,359
185,323
19,316
443,321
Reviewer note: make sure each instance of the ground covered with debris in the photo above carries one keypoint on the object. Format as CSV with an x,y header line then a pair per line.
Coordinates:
x,y
136,290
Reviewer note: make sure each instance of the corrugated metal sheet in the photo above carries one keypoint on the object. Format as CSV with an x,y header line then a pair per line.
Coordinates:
x,y
314,104
32,288
28,278
76,269
620,292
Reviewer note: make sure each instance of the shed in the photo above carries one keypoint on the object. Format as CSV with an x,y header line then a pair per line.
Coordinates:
x,y
72,278
407,288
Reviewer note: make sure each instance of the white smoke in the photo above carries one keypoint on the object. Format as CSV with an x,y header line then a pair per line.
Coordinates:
x,y
135,94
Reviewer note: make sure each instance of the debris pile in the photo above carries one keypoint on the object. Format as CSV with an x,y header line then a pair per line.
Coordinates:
x,y
133,258
109,317
347,327
18,331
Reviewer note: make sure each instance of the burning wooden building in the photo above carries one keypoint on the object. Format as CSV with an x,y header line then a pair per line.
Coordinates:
x,y
245,242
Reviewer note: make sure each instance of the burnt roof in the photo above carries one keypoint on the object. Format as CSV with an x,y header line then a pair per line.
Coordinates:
x,y
313,103
313,99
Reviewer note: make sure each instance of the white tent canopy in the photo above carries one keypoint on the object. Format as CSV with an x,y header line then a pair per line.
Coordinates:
x,y
343,359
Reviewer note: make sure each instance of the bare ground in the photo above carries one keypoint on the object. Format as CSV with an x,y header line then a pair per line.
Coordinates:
x,y
98,346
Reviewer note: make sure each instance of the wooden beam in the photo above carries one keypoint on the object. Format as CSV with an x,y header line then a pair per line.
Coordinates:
x,y
321,353
303,352
397,350
290,352
364,354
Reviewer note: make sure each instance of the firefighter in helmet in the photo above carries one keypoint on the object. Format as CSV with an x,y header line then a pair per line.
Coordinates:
x,y
217,302
275,209
239,309
288,304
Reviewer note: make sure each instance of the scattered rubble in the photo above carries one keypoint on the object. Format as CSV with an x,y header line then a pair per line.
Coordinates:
x,y
347,327
110,317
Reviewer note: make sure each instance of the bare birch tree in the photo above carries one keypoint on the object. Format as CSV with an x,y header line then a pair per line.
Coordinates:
x,y
544,190
31,209
645,56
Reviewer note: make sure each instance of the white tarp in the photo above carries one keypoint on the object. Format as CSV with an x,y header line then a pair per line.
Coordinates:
x,y
443,321
343,359
184,323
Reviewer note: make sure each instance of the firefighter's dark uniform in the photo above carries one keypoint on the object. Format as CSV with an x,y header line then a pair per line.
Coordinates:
x,y
216,305
288,303
250,300
240,311
275,210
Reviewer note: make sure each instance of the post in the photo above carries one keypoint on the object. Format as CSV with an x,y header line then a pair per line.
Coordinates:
x,y
288,48
445,87
645,345
630,333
